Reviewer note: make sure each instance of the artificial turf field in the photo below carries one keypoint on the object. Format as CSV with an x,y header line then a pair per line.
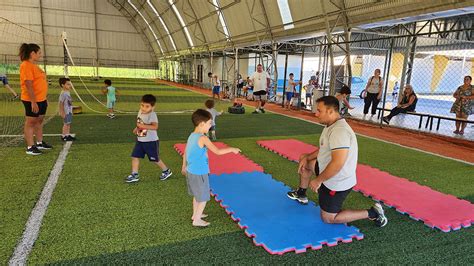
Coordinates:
x,y
94,217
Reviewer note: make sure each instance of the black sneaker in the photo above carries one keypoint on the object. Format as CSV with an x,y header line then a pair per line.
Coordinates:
x,y
295,196
44,146
132,178
33,151
166,174
262,110
69,138
255,112
385,119
381,220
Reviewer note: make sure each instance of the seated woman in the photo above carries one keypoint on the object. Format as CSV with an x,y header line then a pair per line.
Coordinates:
x,y
408,104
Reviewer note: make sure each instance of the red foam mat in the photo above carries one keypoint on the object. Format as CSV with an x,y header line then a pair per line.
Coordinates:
x,y
435,209
226,164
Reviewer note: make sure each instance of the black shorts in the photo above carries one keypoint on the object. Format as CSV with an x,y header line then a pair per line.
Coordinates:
x,y
331,201
260,93
42,106
316,168
149,148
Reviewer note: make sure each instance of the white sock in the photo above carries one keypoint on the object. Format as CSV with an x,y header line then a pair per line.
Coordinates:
x,y
29,147
39,142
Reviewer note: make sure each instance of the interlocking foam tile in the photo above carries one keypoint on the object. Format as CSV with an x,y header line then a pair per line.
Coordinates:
x,y
227,163
435,209
258,203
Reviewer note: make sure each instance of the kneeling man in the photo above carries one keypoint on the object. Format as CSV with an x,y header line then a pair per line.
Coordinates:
x,y
335,168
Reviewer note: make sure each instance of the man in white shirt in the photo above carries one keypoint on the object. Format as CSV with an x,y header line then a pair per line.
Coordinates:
x,y
261,83
216,87
335,168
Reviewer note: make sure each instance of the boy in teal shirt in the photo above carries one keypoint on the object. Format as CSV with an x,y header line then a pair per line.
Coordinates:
x,y
196,164
111,92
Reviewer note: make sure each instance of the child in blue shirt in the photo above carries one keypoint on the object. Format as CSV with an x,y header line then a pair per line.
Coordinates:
x,y
111,93
196,164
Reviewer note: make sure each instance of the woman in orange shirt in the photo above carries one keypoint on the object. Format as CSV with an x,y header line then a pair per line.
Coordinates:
x,y
34,89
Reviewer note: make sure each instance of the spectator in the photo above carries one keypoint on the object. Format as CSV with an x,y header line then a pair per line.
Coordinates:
x,y
344,105
396,88
261,83
464,104
408,104
373,92
240,85
309,93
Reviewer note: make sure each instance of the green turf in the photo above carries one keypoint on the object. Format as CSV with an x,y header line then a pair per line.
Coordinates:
x,y
94,217
21,183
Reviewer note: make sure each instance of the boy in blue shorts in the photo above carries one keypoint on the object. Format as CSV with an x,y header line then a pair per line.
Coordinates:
x,y
65,108
147,140
196,164
216,87
111,93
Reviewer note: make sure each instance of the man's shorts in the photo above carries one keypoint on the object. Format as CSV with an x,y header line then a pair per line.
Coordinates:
x,y
67,119
260,95
198,186
308,95
110,104
331,201
4,80
149,148
42,106
216,89
289,95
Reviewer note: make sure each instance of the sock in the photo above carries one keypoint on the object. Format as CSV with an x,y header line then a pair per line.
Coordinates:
x,y
134,173
301,192
29,147
372,213
167,169
39,142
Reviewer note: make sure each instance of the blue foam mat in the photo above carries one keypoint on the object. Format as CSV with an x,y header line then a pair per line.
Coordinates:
x,y
260,206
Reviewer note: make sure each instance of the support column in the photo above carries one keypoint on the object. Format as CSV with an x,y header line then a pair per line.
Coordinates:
x,y
284,81
388,60
44,40
301,79
96,41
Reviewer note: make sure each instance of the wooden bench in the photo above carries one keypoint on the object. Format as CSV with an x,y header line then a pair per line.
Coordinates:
x,y
442,117
421,115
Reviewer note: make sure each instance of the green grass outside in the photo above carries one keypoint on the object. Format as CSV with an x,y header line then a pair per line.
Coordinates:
x,y
94,217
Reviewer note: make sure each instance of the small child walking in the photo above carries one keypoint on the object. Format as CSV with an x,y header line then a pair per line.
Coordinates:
x,y
111,93
147,140
216,87
196,164
65,108
210,108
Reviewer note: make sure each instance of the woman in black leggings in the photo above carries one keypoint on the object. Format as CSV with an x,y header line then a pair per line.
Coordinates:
x,y
408,104
373,92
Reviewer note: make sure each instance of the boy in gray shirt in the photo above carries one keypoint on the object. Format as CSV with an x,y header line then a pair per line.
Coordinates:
x,y
147,140
65,108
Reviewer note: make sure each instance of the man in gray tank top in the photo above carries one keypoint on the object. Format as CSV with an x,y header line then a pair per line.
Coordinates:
x,y
335,168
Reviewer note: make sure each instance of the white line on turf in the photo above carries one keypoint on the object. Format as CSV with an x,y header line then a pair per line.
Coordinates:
x,y
397,144
33,225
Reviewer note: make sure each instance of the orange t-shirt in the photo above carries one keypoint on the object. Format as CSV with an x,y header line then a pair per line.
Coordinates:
x,y
30,71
